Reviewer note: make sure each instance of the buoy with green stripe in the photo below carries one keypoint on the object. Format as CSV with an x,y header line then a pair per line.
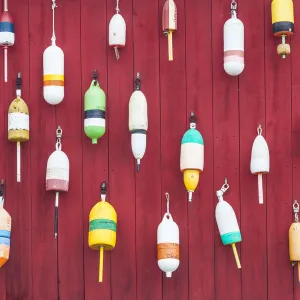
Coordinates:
x,y
102,228
283,23
5,229
53,66
94,110
192,157
227,223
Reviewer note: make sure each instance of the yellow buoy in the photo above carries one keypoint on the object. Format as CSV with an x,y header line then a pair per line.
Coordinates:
x,y
102,228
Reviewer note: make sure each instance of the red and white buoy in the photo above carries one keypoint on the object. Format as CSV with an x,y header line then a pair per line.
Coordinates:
x,y
117,31
7,34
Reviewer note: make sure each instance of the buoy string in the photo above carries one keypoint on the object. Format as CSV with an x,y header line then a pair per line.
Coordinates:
x,y
117,7
53,39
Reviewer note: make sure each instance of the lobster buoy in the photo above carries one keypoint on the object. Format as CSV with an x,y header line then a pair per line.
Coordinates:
x,y
94,111
191,157
283,23
227,223
294,239
169,23
117,32
168,243
5,229
57,175
260,161
53,66
7,34
18,123
138,122
233,44
102,228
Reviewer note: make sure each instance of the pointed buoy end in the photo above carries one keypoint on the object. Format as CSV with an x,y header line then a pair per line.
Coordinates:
x,y
168,274
138,165
190,196
94,141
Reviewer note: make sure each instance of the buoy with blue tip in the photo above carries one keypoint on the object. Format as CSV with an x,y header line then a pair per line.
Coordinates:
x,y
192,157
7,34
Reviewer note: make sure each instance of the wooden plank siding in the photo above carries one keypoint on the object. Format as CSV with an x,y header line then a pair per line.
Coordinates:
x,y
228,110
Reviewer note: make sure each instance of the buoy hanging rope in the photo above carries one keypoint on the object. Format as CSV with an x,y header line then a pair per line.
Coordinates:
x,y
53,39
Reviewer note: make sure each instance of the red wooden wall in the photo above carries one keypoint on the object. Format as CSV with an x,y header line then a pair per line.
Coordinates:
x,y
229,110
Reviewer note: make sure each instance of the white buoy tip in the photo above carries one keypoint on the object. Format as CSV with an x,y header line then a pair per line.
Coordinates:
x,y
190,196
168,274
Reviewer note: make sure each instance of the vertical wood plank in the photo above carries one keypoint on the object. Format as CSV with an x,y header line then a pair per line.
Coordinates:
x,y
279,181
121,166
95,157
148,180
19,267
173,126
42,141
252,113
199,100
226,154
69,117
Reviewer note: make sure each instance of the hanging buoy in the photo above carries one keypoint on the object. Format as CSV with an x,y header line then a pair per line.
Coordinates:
x,y
57,175
168,243
18,123
169,23
138,122
191,157
117,31
227,223
233,43
294,239
260,161
53,65
283,23
102,228
7,34
5,229
94,110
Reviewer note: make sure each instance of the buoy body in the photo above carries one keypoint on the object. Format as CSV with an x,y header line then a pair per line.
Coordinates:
x,y
138,123
169,16
260,157
191,159
168,245
18,121
7,30
5,231
282,17
233,46
227,223
58,169
53,65
94,112
102,226
294,242
117,31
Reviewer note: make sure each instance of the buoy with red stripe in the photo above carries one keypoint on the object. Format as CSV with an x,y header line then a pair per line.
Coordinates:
x,y
168,243
53,66
283,23
94,110
117,32
192,157
294,239
5,229
7,34
102,228
18,123
138,122
234,43
57,175
227,223
169,23
260,161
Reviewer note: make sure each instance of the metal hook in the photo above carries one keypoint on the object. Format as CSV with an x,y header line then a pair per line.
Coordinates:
x,y
259,129
296,210
137,82
95,76
103,190
233,5
58,132
168,202
2,188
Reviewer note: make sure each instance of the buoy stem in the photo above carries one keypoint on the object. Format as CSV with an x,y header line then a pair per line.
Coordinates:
x,y
18,161
117,53
260,189
299,272
236,256
190,196
5,63
101,264
5,5
56,215
138,165
170,45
